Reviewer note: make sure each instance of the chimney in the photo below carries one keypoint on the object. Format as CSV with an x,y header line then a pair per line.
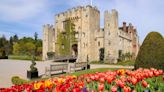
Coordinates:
x,y
124,26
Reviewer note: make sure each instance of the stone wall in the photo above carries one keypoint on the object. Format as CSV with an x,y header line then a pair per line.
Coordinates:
x,y
90,38
48,40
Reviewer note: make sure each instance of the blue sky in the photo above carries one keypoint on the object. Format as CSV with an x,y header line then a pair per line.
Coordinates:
x,y
24,17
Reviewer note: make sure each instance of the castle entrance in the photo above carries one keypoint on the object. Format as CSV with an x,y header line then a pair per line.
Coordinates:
x,y
75,49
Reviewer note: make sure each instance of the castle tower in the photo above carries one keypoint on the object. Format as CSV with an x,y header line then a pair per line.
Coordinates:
x,y
111,36
48,40
90,23
87,21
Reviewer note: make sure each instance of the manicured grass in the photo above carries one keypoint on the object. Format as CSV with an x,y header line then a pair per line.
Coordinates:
x,y
124,63
91,71
128,62
23,57
78,73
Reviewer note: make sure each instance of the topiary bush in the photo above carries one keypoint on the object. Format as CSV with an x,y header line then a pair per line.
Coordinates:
x,y
151,53
16,80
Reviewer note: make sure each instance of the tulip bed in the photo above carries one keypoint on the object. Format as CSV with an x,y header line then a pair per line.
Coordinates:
x,y
140,80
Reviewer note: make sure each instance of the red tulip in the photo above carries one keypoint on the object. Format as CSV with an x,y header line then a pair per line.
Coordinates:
x,y
88,80
134,81
76,90
109,79
160,72
144,83
96,77
92,77
127,89
156,73
150,73
114,89
120,83
101,87
102,80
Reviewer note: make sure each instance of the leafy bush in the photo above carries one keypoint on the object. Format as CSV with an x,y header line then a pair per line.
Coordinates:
x,y
151,52
50,54
16,80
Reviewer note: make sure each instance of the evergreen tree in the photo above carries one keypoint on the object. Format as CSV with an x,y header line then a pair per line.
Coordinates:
x,y
15,38
151,53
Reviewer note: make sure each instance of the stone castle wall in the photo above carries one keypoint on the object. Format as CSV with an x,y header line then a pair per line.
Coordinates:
x,y
48,40
90,37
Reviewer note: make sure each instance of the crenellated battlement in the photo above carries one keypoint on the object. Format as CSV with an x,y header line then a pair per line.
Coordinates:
x,y
47,25
77,10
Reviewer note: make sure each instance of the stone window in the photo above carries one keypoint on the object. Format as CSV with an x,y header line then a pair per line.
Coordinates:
x,y
99,43
86,15
83,34
79,27
108,33
109,43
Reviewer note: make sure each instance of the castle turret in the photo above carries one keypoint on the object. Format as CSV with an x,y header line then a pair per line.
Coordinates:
x,y
111,36
48,40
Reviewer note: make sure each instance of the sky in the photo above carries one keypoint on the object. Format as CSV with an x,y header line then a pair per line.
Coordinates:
x,y
24,17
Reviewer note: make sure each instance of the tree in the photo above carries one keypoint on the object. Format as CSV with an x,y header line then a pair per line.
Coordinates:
x,y
151,52
3,45
16,49
30,47
35,42
15,38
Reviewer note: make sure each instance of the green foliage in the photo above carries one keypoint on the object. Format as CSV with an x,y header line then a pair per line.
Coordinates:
x,y
15,38
50,54
66,39
24,57
16,80
32,66
124,56
3,46
123,63
151,52
27,45
23,48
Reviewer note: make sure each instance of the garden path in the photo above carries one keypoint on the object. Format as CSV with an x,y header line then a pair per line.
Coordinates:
x,y
9,68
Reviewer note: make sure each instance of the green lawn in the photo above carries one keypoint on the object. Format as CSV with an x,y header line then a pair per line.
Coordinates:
x,y
75,73
124,63
78,73
23,57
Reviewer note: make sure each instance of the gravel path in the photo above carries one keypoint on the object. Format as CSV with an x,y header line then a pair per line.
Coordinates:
x,y
9,68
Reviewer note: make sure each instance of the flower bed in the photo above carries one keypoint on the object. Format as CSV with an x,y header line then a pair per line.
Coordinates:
x,y
141,80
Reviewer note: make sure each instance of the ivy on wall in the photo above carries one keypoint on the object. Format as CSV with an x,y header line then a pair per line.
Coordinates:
x,y
66,39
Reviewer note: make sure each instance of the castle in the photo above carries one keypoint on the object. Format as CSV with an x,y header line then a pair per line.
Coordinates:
x,y
77,32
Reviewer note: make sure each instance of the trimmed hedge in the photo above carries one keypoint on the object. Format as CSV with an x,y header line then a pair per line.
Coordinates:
x,y
16,80
3,57
151,52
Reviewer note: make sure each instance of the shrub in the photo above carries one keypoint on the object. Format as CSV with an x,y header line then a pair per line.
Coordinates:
x,y
151,52
50,54
16,80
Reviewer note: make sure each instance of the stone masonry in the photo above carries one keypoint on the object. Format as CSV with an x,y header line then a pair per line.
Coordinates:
x,y
91,38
